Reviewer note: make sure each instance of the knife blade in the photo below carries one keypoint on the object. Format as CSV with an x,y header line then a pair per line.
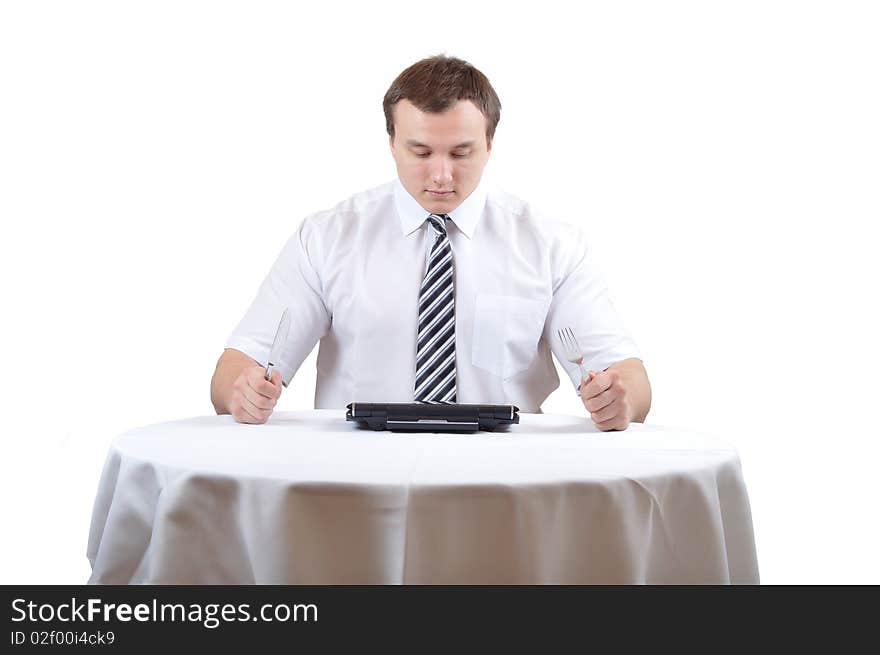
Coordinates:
x,y
278,343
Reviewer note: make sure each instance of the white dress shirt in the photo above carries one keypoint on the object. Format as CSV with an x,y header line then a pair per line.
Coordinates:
x,y
351,275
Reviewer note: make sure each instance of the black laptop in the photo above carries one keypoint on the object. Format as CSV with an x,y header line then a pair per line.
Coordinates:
x,y
432,417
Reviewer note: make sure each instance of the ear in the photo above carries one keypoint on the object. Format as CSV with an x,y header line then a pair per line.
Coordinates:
x,y
489,146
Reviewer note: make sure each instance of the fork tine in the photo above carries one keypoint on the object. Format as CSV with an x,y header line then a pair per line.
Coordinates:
x,y
574,343
562,335
575,346
573,352
569,343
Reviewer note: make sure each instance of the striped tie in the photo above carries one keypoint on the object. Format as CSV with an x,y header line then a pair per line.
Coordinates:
x,y
435,353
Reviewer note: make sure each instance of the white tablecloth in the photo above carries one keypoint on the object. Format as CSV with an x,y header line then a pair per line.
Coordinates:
x,y
309,498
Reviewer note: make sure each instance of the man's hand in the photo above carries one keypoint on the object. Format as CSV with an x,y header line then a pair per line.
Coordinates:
x,y
617,396
606,399
253,396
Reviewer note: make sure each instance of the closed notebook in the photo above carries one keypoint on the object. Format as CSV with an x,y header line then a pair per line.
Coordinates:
x,y
432,417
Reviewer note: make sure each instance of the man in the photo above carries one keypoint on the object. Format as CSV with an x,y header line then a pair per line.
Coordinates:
x,y
434,287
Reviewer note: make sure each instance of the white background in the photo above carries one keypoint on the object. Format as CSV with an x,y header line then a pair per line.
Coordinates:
x,y
155,156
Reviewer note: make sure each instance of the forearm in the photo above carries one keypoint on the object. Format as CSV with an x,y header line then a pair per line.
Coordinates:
x,y
635,380
231,363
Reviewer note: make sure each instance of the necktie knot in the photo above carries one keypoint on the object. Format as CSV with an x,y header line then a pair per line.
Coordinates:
x,y
438,222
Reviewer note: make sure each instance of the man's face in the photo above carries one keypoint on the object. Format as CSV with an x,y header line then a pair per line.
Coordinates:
x,y
440,157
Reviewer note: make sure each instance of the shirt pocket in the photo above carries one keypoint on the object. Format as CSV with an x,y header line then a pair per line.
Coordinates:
x,y
506,333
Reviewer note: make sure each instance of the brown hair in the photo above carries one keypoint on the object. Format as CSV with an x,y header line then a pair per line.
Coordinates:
x,y
434,84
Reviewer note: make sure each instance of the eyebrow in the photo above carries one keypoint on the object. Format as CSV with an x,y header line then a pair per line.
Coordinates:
x,y
412,143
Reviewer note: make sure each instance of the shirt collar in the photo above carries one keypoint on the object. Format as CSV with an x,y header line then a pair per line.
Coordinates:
x,y
465,216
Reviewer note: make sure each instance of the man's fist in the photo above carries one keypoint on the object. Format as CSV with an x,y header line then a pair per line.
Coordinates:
x,y
606,398
253,396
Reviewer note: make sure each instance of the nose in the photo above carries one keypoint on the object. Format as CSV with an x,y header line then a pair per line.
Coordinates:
x,y
441,173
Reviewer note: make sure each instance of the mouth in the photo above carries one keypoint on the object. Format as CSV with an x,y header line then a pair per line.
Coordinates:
x,y
439,194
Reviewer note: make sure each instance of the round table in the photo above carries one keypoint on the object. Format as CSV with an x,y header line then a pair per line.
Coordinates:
x,y
309,498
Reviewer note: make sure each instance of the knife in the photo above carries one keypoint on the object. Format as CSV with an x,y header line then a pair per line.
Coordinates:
x,y
278,344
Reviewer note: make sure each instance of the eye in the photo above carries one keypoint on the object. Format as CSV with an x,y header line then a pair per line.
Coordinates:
x,y
422,155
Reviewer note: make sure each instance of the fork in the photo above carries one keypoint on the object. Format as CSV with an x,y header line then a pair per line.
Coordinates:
x,y
573,351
